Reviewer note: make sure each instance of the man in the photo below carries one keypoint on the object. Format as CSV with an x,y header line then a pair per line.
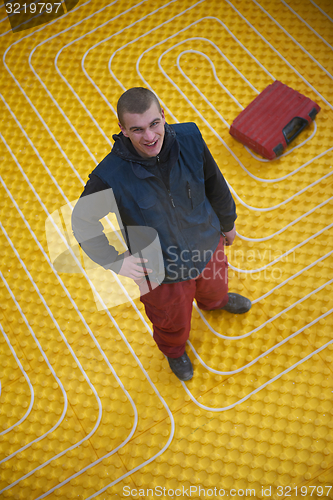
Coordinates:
x,y
163,177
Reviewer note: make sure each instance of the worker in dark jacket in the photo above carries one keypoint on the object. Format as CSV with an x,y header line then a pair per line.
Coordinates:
x,y
170,196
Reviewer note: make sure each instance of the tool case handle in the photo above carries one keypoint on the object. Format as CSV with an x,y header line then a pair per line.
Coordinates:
x,y
293,128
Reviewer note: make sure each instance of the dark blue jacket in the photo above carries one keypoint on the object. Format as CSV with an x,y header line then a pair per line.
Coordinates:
x,y
166,193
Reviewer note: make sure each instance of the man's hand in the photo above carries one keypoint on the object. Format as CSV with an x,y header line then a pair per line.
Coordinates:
x,y
131,267
229,237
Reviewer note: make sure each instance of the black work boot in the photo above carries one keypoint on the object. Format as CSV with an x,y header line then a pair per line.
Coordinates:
x,y
237,304
182,367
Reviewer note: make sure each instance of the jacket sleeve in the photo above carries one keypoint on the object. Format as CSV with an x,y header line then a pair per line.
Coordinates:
x,y
218,192
95,202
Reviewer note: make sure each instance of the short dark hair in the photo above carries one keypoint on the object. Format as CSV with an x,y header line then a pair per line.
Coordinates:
x,y
136,100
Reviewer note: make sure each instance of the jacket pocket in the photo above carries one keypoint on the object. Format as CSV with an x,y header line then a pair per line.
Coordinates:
x,y
195,194
151,210
148,201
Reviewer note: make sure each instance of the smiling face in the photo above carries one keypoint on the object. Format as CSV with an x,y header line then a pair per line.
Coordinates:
x,y
145,131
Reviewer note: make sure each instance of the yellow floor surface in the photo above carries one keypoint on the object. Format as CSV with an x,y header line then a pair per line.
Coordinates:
x,y
89,405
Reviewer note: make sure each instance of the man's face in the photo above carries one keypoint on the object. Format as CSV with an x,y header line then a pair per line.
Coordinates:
x,y
145,131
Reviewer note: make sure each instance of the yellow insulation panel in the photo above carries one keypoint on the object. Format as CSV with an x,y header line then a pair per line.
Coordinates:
x,y
89,406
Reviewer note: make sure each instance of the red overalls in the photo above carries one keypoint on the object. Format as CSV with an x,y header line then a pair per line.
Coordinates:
x,y
169,306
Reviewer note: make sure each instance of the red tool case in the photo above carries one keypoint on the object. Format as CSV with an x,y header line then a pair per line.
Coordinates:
x,y
273,119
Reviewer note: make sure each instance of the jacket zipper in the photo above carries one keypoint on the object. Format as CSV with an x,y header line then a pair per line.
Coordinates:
x,y
169,193
172,202
189,193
